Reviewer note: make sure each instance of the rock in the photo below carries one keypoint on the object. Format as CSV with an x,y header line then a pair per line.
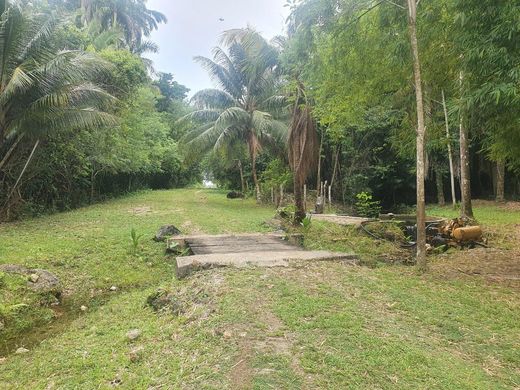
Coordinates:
x,y
235,195
320,205
39,280
113,288
227,334
136,354
165,232
162,301
83,308
34,278
21,350
133,335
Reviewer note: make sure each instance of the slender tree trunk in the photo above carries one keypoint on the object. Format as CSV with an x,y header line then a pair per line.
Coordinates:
x,y
255,179
242,183
10,151
465,179
440,187
92,185
421,207
23,172
501,173
336,158
450,154
318,183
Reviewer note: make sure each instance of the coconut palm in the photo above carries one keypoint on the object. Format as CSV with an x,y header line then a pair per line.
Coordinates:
x,y
132,16
245,108
303,147
42,89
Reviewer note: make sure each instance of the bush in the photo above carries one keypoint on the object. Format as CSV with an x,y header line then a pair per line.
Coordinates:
x,y
366,207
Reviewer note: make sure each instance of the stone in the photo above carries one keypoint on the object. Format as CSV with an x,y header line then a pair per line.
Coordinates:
x,y
165,232
113,288
136,354
235,195
133,335
83,308
39,280
227,334
34,278
320,205
21,350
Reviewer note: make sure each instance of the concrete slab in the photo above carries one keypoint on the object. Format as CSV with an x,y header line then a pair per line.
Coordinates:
x,y
343,220
189,264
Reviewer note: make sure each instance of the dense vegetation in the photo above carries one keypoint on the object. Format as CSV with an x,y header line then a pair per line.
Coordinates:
x,y
353,57
81,117
85,115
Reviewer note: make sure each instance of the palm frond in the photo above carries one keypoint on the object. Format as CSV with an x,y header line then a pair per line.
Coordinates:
x,y
212,99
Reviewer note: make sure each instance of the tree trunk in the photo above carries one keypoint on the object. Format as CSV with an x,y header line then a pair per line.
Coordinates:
x,y
318,183
450,154
421,207
465,180
10,151
335,169
242,183
440,188
255,180
501,173
92,184
299,214
23,171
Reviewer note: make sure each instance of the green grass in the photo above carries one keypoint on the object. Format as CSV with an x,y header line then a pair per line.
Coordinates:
x,y
324,325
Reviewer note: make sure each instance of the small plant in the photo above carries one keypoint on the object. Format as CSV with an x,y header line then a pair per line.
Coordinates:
x,y
135,239
306,223
366,207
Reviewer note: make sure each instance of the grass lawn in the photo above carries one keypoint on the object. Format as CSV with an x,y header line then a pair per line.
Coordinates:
x,y
323,326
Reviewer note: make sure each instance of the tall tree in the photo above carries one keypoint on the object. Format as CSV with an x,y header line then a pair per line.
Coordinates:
x,y
132,16
421,131
43,89
246,106
303,147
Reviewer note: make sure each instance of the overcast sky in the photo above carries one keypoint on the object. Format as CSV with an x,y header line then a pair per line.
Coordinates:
x,y
194,28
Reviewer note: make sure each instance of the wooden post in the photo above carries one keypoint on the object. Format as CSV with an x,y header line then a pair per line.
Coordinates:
x,y
281,194
330,196
272,194
325,190
305,196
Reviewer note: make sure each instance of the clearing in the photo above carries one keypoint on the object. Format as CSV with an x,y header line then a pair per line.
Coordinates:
x,y
307,326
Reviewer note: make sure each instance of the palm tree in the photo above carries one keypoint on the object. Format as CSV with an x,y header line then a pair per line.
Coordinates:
x,y
245,108
303,148
43,90
132,16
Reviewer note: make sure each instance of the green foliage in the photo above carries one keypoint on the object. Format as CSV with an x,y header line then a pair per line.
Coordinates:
x,y
366,206
306,223
127,74
245,110
276,174
135,239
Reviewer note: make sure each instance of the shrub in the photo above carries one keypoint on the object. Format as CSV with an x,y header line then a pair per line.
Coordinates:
x,y
366,207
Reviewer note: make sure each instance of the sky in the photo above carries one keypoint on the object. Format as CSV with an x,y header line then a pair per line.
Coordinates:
x,y
194,28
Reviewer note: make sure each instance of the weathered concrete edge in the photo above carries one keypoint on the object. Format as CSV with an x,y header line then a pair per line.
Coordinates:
x,y
190,264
